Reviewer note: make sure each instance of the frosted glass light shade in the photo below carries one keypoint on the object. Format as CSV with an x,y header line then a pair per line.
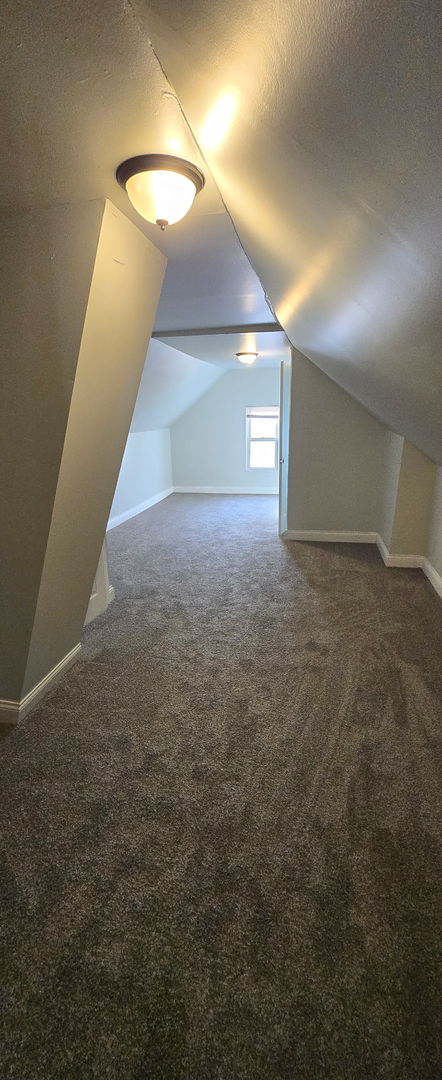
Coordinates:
x,y
161,196
246,357
161,188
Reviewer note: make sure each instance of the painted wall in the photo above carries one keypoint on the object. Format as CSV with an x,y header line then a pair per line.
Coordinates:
x,y
434,550
45,274
209,440
336,456
393,446
126,283
146,471
413,503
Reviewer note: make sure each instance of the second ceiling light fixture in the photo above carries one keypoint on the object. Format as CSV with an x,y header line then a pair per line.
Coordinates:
x,y
246,357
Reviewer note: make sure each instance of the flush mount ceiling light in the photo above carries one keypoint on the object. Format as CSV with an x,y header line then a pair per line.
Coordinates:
x,y
160,187
246,357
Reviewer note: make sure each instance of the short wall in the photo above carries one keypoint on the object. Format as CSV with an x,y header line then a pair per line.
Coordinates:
x,y
336,458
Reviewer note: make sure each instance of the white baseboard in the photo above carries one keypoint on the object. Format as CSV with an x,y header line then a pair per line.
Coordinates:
x,y
320,536
13,711
382,548
222,491
412,562
434,578
119,518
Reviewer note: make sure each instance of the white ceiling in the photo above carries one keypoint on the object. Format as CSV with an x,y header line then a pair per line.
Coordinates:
x,y
221,349
209,281
331,170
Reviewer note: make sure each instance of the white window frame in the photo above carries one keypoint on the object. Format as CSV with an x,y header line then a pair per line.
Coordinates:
x,y
260,412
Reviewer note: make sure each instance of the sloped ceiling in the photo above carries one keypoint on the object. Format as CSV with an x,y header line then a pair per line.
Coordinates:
x,y
321,125
171,382
82,90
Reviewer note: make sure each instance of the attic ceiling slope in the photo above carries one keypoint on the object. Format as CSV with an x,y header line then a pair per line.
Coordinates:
x,y
321,126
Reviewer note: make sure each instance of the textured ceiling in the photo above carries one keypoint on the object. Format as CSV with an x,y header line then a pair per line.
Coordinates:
x,y
329,162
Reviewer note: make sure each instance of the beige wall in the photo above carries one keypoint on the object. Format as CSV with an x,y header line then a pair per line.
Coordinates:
x,y
45,274
336,456
124,292
413,503
390,483
434,549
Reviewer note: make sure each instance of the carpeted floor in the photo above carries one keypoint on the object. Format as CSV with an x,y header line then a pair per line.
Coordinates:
x,y
220,833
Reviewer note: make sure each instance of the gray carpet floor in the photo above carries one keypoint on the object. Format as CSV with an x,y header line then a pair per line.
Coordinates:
x,y
221,832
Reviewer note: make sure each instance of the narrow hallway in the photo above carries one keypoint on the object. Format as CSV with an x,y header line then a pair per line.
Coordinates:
x,y
220,839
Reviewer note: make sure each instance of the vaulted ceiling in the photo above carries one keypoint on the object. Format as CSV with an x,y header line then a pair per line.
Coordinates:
x,y
319,122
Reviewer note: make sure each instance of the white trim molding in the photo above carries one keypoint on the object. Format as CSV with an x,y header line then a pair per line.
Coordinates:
x,y
320,536
120,518
223,491
434,578
13,711
412,562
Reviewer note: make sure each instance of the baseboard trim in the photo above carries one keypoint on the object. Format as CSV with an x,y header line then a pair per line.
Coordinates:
x,y
221,491
411,562
320,536
13,711
434,578
120,518
382,548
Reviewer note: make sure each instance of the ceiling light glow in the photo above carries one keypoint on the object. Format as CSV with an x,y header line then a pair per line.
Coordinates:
x,y
218,121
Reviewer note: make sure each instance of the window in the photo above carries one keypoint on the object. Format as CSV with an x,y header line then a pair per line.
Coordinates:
x,y
262,426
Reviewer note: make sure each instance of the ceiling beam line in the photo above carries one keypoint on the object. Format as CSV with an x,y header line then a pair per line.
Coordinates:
x,y
206,331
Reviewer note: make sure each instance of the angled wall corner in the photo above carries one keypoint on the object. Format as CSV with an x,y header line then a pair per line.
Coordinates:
x,y
124,293
409,482
81,288
46,269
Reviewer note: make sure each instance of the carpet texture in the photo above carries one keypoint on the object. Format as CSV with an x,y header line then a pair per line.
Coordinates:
x,y
221,832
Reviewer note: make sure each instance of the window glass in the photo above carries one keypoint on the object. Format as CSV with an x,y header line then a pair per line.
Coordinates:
x,y
262,455
263,427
